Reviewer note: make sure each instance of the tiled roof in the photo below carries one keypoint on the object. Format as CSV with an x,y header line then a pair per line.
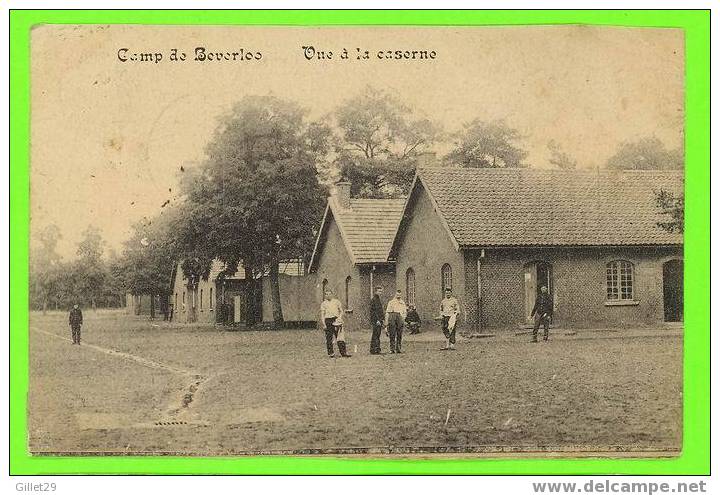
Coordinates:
x,y
368,227
536,207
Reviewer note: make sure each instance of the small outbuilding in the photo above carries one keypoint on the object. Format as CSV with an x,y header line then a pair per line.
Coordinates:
x,y
351,252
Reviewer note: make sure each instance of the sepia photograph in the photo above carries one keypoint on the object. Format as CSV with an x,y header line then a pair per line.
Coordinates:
x,y
362,241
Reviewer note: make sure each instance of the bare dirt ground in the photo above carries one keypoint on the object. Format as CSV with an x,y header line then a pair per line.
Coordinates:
x,y
136,386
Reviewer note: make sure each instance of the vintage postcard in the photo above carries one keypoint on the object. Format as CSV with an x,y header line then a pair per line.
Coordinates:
x,y
356,240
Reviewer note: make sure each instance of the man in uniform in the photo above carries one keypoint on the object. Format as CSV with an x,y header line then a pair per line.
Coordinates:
x,y
412,320
377,316
75,322
449,312
331,319
394,319
542,311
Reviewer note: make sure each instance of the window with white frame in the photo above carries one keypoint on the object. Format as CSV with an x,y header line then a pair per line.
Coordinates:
x,y
620,279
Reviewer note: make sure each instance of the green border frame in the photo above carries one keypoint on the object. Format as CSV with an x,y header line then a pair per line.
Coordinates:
x,y
695,457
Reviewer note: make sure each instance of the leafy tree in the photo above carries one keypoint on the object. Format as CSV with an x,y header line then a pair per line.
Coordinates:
x,y
646,154
45,267
114,290
89,268
149,258
559,158
484,144
378,142
256,199
673,206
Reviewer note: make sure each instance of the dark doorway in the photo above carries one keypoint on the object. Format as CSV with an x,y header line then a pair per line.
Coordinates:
x,y
537,274
673,290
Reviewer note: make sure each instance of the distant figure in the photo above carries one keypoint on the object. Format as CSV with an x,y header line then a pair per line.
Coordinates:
x,y
449,311
542,311
76,322
377,317
413,320
331,318
394,319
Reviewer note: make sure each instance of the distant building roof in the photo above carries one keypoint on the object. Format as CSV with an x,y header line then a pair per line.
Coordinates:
x,y
293,268
218,267
368,228
536,207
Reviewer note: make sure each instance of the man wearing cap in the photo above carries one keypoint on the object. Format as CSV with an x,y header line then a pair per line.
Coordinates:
x,y
75,322
377,316
542,311
449,312
395,314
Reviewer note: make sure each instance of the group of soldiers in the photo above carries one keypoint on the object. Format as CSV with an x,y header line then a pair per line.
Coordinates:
x,y
397,314
393,316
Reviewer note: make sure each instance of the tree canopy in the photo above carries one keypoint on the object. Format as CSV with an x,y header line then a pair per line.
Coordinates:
x,y
256,198
673,206
483,144
560,158
87,280
378,140
646,154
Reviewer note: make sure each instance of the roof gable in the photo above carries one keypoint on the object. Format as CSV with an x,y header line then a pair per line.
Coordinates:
x,y
537,207
416,189
367,228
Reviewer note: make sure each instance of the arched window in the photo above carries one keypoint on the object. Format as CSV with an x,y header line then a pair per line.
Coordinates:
x,y
211,298
446,276
324,286
348,280
176,306
410,286
620,277
183,300
201,299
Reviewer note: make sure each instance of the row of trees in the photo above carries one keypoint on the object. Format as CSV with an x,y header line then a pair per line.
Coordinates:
x,y
91,279
259,195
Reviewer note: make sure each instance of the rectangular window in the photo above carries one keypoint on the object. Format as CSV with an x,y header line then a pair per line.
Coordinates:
x,y
183,300
211,299
619,276
201,299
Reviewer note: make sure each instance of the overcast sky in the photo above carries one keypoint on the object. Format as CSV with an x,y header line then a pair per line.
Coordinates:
x,y
108,137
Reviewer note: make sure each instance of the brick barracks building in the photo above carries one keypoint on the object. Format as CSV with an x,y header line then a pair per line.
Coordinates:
x,y
497,235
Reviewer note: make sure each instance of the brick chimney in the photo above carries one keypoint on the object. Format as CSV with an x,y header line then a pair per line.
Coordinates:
x,y
342,194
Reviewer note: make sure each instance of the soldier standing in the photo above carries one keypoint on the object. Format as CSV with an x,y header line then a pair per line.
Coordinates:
x,y
331,318
377,316
394,319
76,321
449,312
542,311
